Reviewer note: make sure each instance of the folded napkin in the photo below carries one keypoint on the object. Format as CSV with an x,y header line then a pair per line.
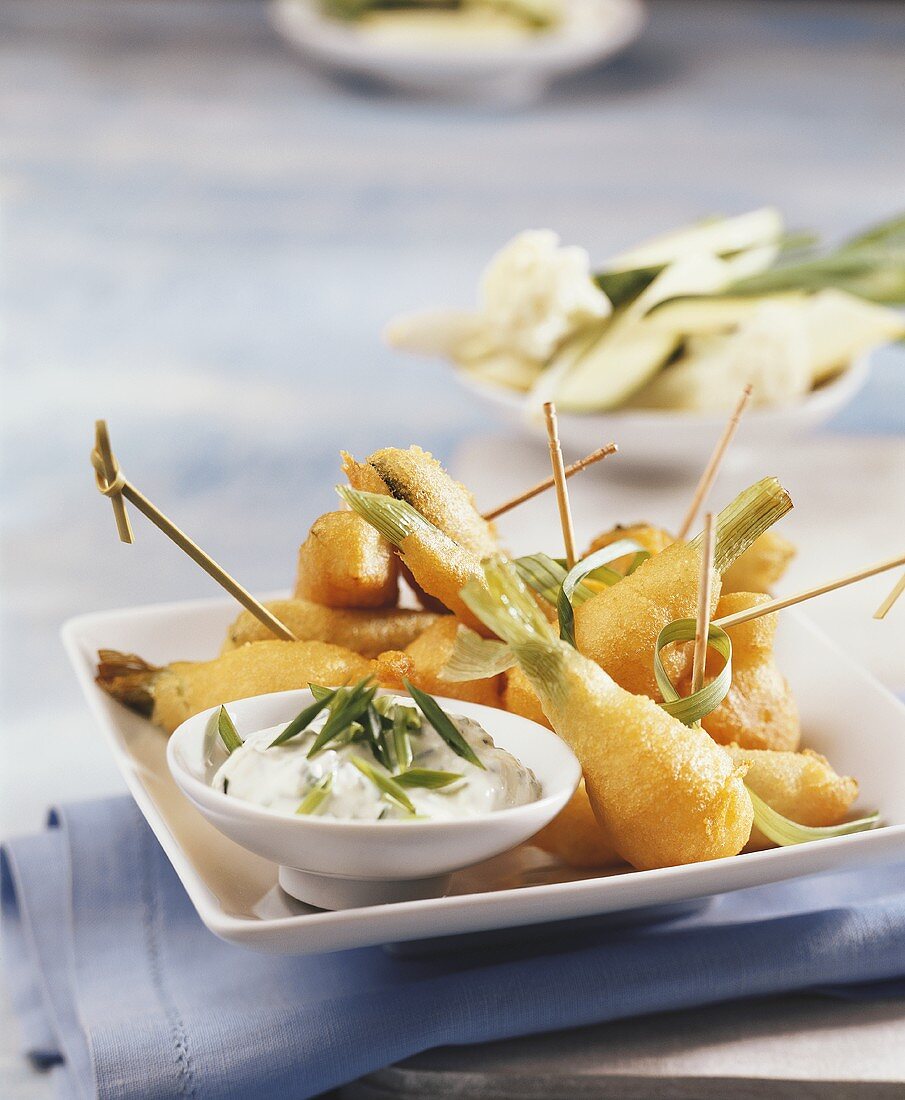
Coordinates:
x,y
124,993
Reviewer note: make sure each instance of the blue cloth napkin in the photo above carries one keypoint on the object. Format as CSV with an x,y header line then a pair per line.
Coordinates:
x,y
123,991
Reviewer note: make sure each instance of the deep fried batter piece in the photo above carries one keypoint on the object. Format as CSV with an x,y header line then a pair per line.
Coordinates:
x,y
801,786
618,627
519,697
576,836
345,563
416,476
364,632
653,539
423,661
761,565
173,693
666,793
759,712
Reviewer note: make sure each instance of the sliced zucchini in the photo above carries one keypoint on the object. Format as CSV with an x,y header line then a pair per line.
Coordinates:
x,y
702,315
609,374
841,327
719,236
628,352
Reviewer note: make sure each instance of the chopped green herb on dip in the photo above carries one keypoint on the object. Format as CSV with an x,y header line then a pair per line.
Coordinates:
x,y
383,759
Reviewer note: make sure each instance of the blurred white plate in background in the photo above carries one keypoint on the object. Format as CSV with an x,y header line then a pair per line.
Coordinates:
x,y
500,71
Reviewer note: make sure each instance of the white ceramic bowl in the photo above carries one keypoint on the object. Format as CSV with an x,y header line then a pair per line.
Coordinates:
x,y
514,72
679,437
346,864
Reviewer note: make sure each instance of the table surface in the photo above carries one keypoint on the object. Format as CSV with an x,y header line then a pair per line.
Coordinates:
x,y
201,238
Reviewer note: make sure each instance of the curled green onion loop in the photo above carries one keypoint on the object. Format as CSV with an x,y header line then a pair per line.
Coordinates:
x,y
692,708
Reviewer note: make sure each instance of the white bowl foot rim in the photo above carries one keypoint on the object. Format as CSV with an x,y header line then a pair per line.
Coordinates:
x,y
334,892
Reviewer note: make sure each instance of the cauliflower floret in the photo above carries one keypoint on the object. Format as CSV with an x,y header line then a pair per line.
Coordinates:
x,y
535,293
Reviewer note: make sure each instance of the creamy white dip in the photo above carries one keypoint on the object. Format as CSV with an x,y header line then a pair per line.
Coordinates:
x,y
279,778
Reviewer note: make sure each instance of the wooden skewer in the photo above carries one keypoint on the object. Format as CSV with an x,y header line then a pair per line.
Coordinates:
x,y
713,466
549,482
705,596
884,608
559,480
112,483
110,480
788,601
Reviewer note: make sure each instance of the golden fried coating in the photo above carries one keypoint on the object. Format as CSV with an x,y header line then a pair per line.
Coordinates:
x,y
344,563
416,476
364,632
576,836
653,539
761,565
362,476
440,565
665,793
618,627
759,712
423,661
799,785
175,692
519,697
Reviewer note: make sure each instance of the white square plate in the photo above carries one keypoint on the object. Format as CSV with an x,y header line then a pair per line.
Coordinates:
x,y
846,714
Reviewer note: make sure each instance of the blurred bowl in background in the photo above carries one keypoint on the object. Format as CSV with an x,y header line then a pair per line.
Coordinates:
x,y
500,71
672,438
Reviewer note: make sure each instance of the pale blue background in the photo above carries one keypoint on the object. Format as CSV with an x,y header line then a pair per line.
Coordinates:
x,y
201,239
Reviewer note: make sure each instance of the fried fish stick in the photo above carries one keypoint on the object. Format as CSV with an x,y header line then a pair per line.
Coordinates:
x,y
665,793
170,694
761,565
618,627
345,563
759,712
422,663
440,565
799,785
415,476
364,632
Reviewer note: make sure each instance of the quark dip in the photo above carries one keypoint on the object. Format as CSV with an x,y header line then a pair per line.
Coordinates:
x,y
391,760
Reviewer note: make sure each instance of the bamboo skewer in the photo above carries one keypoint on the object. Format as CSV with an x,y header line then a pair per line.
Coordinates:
x,y
788,601
885,607
549,482
559,480
705,596
713,466
111,483
110,480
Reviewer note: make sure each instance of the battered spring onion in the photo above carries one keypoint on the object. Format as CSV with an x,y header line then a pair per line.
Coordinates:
x,y
690,709
474,657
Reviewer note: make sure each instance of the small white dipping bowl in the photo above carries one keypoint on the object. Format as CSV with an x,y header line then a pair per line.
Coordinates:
x,y
346,864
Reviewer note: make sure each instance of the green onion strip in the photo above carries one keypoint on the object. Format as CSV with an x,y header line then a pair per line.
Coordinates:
x,y
692,708
572,593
